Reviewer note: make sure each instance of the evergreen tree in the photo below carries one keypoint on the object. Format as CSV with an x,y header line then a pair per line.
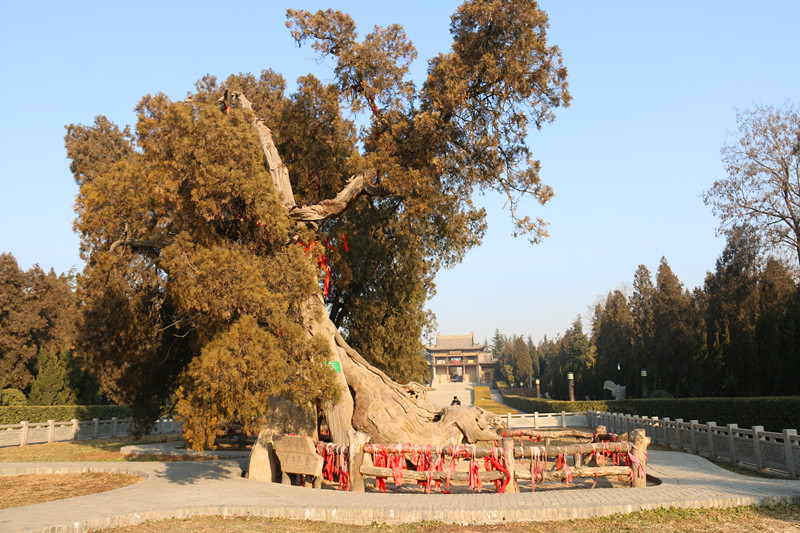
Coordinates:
x,y
731,309
641,303
52,385
675,334
53,299
212,234
777,327
535,357
517,355
498,343
18,321
613,338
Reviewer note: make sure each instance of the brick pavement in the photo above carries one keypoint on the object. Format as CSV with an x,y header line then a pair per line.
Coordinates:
x,y
181,489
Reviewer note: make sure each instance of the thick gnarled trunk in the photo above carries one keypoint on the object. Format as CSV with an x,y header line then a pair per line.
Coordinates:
x,y
385,410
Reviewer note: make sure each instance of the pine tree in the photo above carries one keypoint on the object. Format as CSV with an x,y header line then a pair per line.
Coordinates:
x,y
731,310
613,338
52,384
777,327
676,338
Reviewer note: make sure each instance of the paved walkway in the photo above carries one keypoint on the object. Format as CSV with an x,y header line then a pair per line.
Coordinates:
x,y
180,489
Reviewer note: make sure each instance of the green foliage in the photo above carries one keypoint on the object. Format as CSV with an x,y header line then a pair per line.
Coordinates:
x,y
571,352
52,385
12,397
240,371
61,413
515,361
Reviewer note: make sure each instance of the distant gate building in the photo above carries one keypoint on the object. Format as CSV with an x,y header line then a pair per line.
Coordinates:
x,y
457,359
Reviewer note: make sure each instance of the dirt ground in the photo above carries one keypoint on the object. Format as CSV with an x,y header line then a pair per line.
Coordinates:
x,y
28,489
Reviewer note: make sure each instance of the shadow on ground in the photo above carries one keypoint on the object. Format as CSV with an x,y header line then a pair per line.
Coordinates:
x,y
187,473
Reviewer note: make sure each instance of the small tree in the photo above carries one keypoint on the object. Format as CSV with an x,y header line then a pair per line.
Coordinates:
x,y
52,384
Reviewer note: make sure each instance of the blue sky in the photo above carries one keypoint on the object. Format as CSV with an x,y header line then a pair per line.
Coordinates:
x,y
655,86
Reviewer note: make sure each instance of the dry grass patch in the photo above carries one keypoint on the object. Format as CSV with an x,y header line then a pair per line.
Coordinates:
x,y
90,450
28,489
779,519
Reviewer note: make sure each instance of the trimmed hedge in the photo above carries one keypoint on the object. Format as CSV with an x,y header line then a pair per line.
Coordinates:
x,y
774,413
61,413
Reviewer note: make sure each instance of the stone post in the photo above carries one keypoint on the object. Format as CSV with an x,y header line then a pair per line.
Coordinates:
x,y
356,459
655,424
51,431
571,382
712,449
644,383
508,455
24,434
640,441
732,442
757,430
791,465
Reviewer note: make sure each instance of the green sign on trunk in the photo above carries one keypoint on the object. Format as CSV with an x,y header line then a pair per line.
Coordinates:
x,y
337,366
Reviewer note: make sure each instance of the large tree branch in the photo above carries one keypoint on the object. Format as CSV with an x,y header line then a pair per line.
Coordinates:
x,y
279,172
146,244
143,244
356,186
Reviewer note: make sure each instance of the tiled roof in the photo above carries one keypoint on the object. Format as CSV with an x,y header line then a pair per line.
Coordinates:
x,y
456,342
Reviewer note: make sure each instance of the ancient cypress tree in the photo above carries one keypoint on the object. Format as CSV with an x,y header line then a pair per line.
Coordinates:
x,y
241,234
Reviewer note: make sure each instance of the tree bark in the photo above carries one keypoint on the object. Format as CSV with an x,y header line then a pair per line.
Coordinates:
x,y
385,410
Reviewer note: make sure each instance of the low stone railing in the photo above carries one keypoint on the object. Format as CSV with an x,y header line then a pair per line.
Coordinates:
x,y
536,420
751,449
26,433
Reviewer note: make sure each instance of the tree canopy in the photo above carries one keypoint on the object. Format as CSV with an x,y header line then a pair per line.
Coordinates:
x,y
762,187
211,230
38,311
